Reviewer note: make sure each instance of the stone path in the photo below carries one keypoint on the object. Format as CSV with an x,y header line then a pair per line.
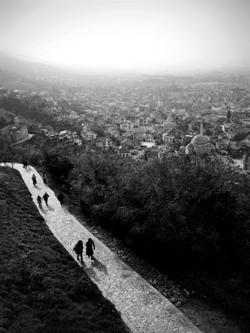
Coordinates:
x,y
142,307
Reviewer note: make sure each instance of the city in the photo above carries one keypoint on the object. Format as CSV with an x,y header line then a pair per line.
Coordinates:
x,y
141,118
125,166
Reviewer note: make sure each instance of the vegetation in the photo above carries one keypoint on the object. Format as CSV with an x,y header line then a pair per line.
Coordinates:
x,y
182,217
191,215
41,287
35,109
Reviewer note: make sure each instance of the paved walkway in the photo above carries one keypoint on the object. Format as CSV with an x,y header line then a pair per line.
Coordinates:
x,y
142,307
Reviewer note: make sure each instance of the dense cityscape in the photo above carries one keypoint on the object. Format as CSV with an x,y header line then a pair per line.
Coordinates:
x,y
139,117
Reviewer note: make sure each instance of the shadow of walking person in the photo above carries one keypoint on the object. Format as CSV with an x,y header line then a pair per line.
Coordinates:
x,y
82,264
98,265
50,208
91,272
41,208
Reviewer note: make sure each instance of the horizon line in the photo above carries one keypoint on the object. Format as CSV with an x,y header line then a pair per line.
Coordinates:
x,y
74,68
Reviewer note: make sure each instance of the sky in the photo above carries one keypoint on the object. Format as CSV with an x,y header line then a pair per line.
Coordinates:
x,y
150,36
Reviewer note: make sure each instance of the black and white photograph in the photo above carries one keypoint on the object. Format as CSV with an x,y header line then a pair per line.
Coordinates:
x,y
124,166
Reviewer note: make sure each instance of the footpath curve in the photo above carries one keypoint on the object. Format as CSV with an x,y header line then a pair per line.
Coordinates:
x,y
142,307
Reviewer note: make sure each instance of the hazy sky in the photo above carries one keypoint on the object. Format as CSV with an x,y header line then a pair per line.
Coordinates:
x,y
141,35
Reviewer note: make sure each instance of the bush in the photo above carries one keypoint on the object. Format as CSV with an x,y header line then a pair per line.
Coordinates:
x,y
36,158
192,214
59,167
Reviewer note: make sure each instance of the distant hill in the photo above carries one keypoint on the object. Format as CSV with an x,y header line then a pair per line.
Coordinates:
x,y
42,289
32,75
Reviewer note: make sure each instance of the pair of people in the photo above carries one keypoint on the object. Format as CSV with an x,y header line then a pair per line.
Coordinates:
x,y
45,198
90,247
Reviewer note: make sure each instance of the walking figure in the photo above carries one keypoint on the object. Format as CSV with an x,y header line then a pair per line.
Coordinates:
x,y
78,250
39,200
46,197
61,198
25,165
34,180
90,246
44,178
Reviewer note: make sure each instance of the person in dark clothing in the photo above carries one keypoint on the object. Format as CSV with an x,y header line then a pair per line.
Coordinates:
x,y
45,198
44,178
25,165
61,198
34,180
90,246
78,250
39,200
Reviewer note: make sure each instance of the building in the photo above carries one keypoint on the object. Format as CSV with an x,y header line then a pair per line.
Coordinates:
x,y
167,139
199,145
15,132
126,126
19,133
88,135
123,151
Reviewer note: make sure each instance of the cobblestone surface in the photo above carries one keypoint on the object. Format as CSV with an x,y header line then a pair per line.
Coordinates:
x,y
142,307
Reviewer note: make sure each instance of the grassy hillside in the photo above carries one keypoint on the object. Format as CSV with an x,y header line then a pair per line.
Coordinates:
x,y
41,287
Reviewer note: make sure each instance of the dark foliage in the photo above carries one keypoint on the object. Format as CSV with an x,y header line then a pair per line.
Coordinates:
x,y
172,212
178,215
59,167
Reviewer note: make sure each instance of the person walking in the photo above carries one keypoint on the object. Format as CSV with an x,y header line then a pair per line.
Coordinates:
x,y
25,165
45,198
34,180
44,178
61,198
78,248
39,200
90,247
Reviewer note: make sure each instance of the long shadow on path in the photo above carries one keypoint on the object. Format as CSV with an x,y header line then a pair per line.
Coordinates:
x,y
90,271
98,265
50,208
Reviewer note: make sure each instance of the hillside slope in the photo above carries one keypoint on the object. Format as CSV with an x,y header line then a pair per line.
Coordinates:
x,y
41,287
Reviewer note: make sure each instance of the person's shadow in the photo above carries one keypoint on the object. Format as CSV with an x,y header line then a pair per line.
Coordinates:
x,y
50,208
41,207
98,265
90,271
